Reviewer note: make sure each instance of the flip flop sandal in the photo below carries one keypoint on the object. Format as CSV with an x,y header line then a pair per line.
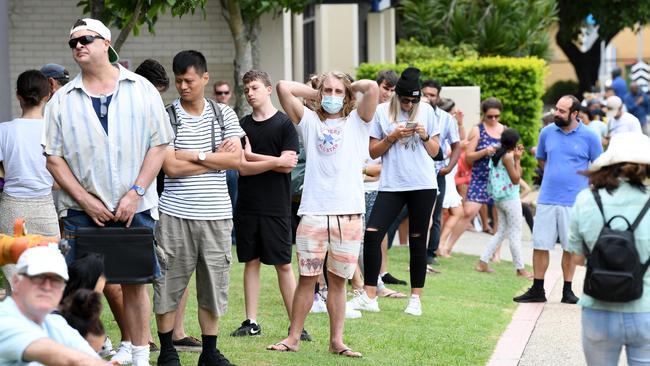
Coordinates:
x,y
347,352
392,294
284,348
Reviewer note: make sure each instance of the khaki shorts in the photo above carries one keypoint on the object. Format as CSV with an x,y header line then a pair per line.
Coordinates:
x,y
186,245
338,236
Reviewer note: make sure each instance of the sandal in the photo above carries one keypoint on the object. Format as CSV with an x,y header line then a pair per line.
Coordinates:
x,y
280,347
347,352
431,270
391,294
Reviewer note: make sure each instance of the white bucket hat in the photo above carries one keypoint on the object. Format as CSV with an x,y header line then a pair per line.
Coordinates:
x,y
625,147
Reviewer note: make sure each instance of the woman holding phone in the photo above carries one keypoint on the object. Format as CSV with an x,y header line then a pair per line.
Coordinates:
x,y
484,139
404,133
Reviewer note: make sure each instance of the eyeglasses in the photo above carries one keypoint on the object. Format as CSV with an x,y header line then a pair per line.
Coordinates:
x,y
492,116
407,100
84,40
103,107
221,92
56,282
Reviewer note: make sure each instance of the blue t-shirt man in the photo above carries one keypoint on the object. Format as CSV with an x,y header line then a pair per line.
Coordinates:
x,y
17,332
565,154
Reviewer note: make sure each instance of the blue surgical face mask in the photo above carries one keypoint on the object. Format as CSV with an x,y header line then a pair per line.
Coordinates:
x,y
332,104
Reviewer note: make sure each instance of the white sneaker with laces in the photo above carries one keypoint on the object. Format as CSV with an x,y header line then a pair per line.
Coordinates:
x,y
414,307
107,348
362,302
351,313
123,355
319,305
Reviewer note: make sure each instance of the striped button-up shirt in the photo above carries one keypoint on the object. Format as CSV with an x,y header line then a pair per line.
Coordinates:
x,y
107,164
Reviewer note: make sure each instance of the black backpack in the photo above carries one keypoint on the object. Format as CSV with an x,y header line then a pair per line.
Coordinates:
x,y
614,269
173,120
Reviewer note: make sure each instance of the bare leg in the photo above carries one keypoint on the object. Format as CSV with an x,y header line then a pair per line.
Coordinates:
x,y
470,209
384,255
568,267
287,284
252,287
357,280
179,317
540,263
115,301
137,311
336,310
208,322
485,221
303,298
455,215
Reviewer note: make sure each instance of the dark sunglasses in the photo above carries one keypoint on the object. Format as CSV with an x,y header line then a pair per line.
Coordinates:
x,y
407,100
221,92
84,40
492,116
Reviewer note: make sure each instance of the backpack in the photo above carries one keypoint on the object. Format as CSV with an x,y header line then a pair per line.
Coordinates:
x,y
499,185
614,269
175,123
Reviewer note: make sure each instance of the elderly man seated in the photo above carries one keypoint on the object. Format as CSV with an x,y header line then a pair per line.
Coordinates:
x,y
30,334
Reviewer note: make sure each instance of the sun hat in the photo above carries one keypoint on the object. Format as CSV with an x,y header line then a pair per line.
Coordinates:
x,y
625,147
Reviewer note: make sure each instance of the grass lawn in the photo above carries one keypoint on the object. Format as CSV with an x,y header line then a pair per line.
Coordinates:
x,y
465,312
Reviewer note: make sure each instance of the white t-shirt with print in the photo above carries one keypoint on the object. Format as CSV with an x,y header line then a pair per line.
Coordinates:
x,y
406,165
203,196
334,151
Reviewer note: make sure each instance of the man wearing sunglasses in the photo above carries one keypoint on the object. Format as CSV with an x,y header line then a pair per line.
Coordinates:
x,y
222,92
105,140
29,332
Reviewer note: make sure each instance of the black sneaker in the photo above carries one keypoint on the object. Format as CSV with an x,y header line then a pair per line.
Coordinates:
x,y
304,336
569,297
247,329
168,357
532,295
389,279
213,358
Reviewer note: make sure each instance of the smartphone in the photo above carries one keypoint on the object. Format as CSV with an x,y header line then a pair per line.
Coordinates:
x,y
411,124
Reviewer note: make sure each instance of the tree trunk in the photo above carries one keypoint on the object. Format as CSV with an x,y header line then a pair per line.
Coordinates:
x,y
243,61
124,32
96,9
585,64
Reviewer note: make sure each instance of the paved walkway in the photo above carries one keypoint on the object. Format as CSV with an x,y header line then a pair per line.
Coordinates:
x,y
539,334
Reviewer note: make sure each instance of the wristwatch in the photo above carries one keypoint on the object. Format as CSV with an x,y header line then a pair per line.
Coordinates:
x,y
139,190
201,156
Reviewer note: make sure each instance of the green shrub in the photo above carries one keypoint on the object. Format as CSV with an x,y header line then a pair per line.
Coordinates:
x,y
409,51
559,89
517,82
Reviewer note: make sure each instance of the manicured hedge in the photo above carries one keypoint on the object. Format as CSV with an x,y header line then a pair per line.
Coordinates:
x,y
517,82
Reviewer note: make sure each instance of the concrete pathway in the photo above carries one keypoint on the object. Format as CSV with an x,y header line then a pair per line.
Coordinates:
x,y
539,334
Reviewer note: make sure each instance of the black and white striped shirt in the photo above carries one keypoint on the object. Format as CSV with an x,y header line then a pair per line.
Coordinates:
x,y
203,196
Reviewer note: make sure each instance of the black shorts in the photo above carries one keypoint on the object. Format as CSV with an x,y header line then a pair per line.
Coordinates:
x,y
265,237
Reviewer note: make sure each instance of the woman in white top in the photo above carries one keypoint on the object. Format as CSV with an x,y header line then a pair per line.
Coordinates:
x,y
28,185
404,133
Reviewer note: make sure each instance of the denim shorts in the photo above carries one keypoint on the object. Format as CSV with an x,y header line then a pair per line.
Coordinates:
x,y
604,333
78,219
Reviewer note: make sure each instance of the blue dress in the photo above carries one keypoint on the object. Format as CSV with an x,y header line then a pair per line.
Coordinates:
x,y
477,191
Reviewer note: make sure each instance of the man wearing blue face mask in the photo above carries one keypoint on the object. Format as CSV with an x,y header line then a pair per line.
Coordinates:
x,y
333,204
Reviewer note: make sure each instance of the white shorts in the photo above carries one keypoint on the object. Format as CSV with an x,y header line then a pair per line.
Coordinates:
x,y
551,225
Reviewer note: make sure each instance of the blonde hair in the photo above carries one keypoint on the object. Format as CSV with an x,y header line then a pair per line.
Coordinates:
x,y
349,102
395,106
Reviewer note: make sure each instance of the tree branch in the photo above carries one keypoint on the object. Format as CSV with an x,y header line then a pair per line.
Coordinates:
x,y
124,32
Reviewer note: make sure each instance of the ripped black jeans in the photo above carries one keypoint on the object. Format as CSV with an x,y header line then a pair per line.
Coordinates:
x,y
387,207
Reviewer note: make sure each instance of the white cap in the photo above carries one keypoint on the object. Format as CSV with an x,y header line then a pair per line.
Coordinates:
x,y
42,259
614,104
625,147
98,27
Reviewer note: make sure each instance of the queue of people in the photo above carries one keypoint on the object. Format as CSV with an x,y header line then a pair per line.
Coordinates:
x,y
396,131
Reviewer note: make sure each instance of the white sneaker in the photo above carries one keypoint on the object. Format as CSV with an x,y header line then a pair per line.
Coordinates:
x,y
107,348
361,301
123,355
414,307
319,305
351,313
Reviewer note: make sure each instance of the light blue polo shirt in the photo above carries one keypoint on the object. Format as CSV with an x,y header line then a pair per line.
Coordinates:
x,y
17,332
565,153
